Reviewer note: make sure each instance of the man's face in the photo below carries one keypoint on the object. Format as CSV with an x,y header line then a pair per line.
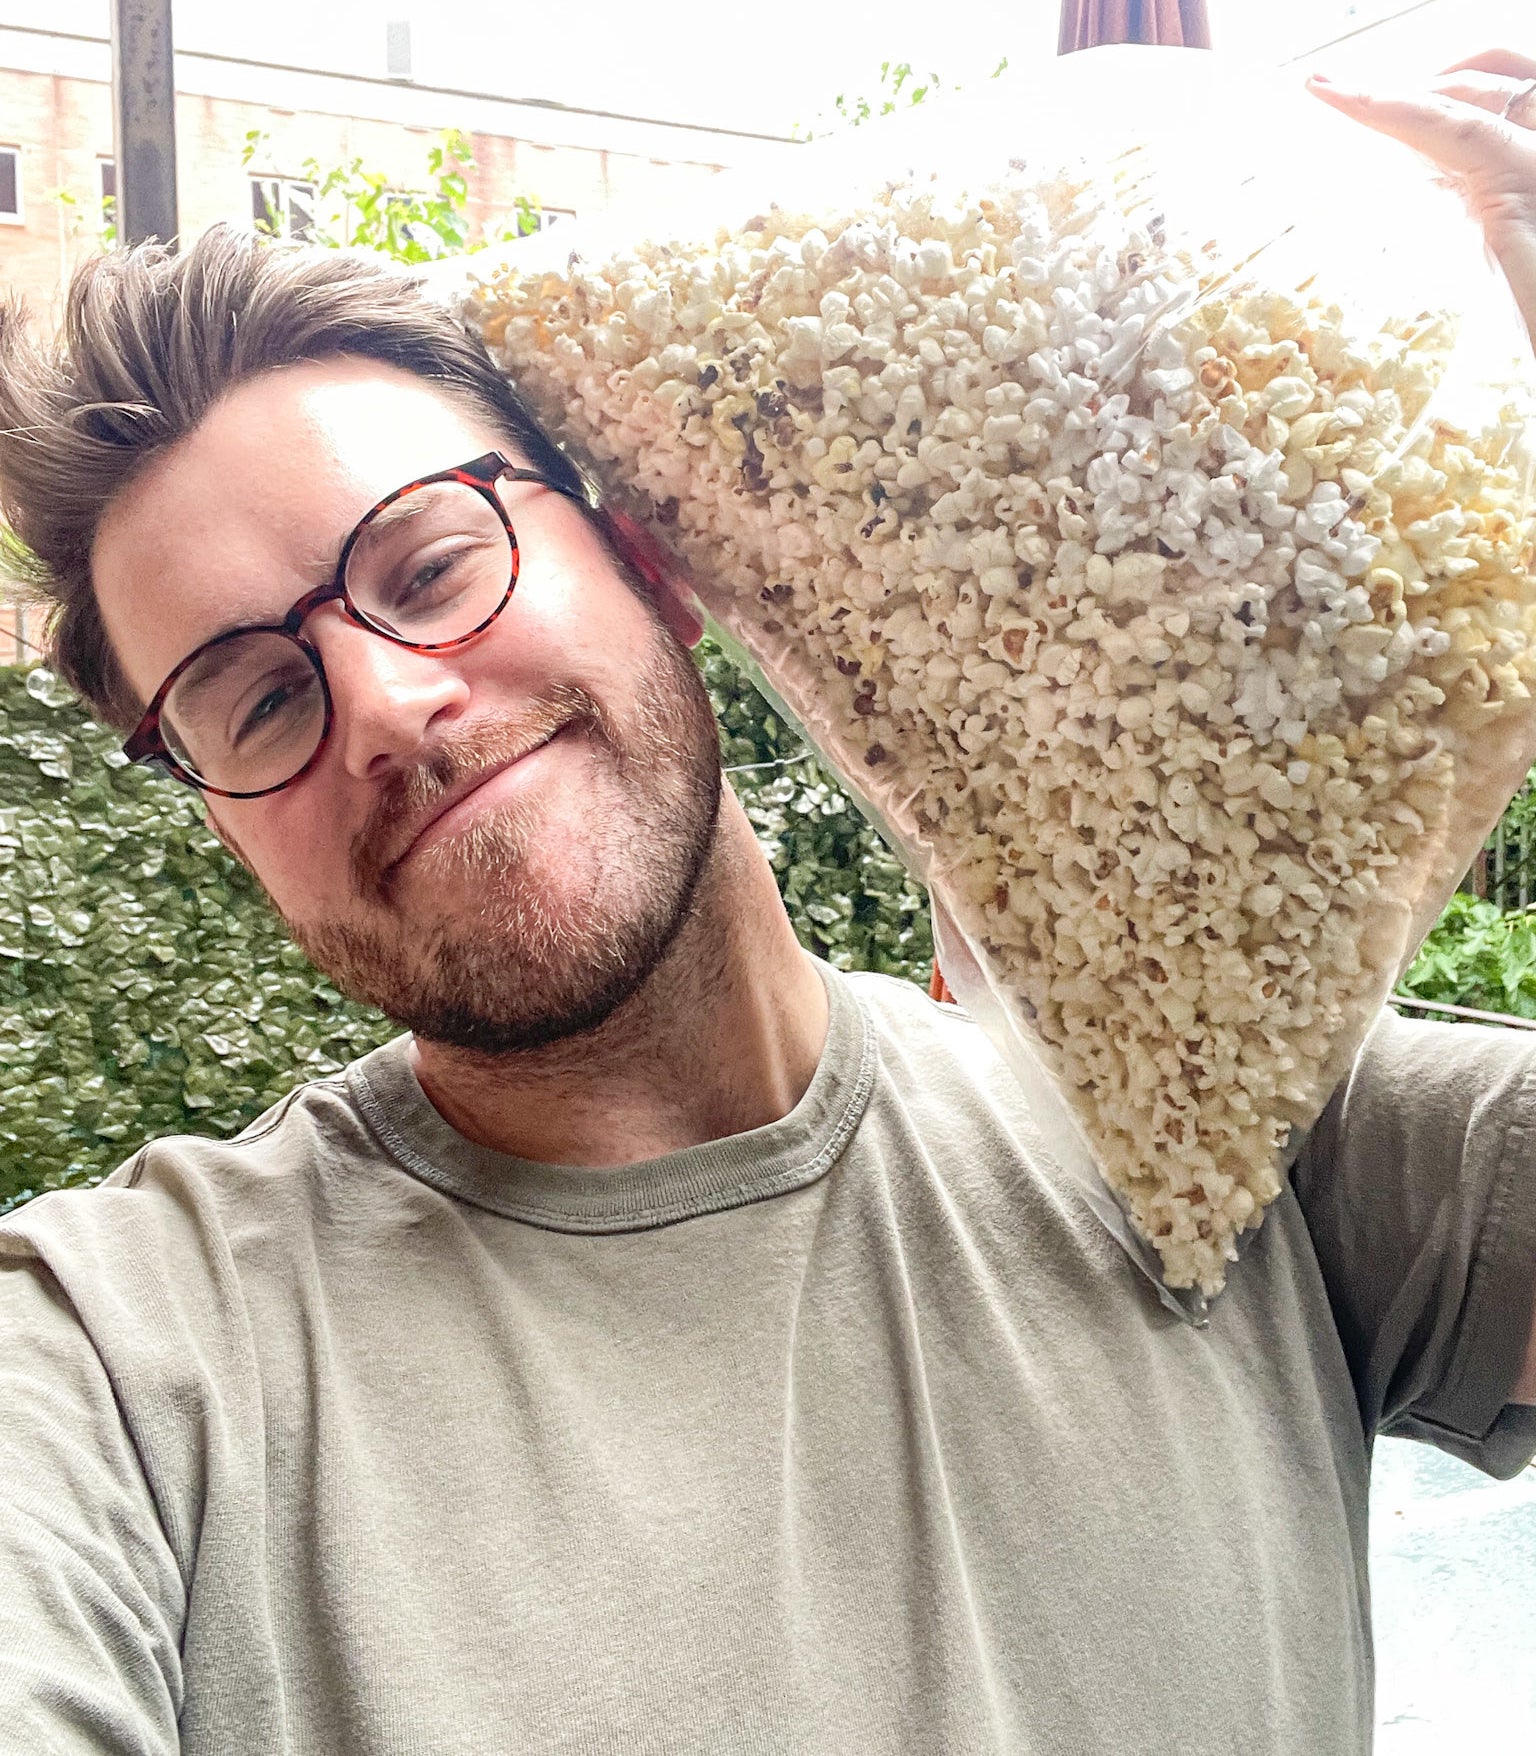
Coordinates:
x,y
481,895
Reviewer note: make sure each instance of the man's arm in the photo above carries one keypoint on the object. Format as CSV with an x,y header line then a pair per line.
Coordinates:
x,y
91,1598
1418,1184
1477,122
1525,1390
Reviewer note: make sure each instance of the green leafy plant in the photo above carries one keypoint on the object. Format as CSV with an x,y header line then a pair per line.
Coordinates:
x,y
145,987
80,220
898,88
1509,872
850,899
1478,956
359,207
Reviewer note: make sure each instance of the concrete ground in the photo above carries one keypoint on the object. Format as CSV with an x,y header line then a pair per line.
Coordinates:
x,y
1453,1579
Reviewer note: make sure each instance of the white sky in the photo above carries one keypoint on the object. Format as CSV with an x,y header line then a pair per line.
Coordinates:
x,y
765,68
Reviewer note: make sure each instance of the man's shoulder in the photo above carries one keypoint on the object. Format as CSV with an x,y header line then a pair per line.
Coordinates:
x,y
180,1186
901,1006
949,1076
944,1042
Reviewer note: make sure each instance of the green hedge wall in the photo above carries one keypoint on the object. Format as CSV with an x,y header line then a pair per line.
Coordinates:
x,y
850,898
146,988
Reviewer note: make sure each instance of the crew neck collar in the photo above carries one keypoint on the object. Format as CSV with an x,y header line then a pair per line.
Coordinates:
x,y
708,1178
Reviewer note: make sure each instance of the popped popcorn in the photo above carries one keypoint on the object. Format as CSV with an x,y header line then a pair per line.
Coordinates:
x,y
1185,650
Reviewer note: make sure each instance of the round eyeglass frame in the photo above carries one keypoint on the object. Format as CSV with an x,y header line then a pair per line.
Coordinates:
x,y
147,743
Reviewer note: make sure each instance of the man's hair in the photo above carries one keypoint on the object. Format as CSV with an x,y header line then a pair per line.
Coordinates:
x,y
148,344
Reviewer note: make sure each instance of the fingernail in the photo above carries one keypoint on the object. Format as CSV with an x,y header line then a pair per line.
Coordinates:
x,y
1318,79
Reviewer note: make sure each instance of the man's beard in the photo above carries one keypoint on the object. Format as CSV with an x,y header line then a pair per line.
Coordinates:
x,y
529,967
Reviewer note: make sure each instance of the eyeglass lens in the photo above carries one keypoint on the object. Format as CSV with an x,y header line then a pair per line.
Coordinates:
x,y
426,570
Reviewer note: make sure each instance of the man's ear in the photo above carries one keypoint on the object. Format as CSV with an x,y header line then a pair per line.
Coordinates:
x,y
673,597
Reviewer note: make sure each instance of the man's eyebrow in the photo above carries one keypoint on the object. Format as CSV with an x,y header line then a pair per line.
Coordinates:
x,y
199,681
391,517
397,512
322,571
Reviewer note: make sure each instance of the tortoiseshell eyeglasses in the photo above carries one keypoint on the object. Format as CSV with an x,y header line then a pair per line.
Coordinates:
x,y
430,567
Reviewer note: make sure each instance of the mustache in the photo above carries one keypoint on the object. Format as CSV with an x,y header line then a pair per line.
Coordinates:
x,y
410,796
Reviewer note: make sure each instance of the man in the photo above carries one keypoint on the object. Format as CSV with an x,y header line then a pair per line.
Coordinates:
x,y
668,1345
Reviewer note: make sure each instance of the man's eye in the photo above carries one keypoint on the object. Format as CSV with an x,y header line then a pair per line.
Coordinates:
x,y
428,581
271,706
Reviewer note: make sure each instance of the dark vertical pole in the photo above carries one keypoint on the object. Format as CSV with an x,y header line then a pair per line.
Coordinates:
x,y
144,120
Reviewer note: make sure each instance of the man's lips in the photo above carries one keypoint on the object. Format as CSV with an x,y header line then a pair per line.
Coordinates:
x,y
457,794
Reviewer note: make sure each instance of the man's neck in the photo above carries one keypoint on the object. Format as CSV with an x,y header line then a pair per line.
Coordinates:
x,y
724,1037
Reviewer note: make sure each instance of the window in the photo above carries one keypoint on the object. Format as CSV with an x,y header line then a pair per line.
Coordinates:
x,y
545,217
10,185
19,636
106,173
301,209
419,233
283,206
397,39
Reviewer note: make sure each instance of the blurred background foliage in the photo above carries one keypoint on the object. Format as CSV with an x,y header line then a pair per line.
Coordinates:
x,y
354,207
1479,955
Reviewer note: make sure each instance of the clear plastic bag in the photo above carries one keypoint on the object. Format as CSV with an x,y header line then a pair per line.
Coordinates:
x,y
1122,479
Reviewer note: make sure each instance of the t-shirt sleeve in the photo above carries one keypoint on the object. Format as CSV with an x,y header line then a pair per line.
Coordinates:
x,y
1419,1186
91,1599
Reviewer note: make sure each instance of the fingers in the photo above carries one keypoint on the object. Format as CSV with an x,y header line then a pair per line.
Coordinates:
x,y
1505,63
1486,91
1488,156
1463,138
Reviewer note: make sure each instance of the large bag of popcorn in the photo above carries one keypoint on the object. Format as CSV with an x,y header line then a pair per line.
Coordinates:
x,y
1122,481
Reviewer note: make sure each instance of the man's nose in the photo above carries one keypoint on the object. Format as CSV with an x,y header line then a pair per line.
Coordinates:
x,y
385,697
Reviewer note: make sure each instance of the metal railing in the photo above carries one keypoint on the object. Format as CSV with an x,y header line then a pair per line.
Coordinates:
x,y
1444,1009
1511,866
21,633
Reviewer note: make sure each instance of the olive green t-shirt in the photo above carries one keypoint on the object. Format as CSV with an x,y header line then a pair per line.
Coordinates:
x,y
853,1434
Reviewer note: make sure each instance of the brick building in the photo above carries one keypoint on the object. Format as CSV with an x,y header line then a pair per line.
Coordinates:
x,y
56,143
56,161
